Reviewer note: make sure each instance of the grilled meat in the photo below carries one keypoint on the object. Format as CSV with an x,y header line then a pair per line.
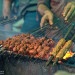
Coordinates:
x,y
27,44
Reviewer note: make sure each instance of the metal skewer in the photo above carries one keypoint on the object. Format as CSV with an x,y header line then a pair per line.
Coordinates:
x,y
57,59
52,56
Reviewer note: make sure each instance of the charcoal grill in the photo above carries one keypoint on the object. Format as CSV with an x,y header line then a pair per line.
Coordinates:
x,y
24,65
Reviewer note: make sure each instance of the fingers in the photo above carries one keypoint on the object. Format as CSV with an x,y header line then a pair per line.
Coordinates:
x,y
42,21
66,9
51,20
46,17
69,13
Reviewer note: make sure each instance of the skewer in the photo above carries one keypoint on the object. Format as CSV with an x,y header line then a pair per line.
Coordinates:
x,y
41,31
63,51
63,28
58,46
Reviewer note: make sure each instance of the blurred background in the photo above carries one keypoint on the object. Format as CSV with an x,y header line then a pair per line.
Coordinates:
x,y
1,6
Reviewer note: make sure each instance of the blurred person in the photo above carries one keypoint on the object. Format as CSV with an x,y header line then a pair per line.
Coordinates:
x,y
10,10
31,18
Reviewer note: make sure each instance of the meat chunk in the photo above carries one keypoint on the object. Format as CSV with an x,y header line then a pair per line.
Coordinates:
x,y
27,44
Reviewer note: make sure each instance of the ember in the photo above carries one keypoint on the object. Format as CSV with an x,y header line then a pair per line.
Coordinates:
x,y
68,55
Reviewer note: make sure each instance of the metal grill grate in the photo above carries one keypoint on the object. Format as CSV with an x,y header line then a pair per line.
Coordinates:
x,y
21,65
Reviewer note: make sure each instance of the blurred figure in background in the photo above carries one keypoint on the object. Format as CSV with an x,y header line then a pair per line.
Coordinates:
x,y
31,18
10,9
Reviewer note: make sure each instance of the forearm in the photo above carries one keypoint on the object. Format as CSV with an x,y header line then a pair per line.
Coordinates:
x,y
42,9
6,6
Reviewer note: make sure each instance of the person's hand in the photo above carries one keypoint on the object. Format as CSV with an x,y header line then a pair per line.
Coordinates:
x,y
48,15
69,11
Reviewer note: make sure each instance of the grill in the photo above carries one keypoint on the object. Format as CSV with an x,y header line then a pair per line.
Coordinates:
x,y
24,65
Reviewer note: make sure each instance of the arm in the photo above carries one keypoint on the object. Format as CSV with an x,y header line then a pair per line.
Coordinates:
x,y
45,11
6,8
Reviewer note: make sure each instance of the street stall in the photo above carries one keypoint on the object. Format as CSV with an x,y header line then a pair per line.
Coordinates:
x,y
40,52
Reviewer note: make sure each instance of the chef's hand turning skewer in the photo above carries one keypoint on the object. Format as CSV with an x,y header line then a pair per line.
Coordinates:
x,y
58,46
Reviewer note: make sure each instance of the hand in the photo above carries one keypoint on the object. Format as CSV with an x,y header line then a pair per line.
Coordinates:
x,y
47,16
69,11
